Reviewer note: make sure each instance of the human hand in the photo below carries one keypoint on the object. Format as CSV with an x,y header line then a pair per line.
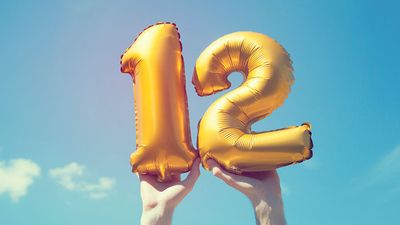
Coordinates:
x,y
262,188
160,199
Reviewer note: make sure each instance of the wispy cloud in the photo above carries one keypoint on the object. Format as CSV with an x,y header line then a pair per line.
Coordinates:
x,y
386,171
16,177
389,164
71,178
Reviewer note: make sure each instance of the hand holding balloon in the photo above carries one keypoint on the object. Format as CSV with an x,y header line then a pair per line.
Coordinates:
x,y
159,199
164,148
262,188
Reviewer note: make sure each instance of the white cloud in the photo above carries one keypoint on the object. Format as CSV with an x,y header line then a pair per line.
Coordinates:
x,y
70,177
66,175
17,176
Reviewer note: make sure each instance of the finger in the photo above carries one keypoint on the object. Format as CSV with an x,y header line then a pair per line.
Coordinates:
x,y
193,174
262,175
175,178
143,177
219,172
242,183
151,179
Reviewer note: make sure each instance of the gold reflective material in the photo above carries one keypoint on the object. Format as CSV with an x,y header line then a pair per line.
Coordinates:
x,y
225,130
163,142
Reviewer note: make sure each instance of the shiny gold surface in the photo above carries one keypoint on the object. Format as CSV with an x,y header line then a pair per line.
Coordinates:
x,y
224,131
163,139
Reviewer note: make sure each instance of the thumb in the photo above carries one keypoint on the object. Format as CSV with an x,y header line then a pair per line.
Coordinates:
x,y
193,174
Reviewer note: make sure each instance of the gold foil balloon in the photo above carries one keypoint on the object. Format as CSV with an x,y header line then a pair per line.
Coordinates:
x,y
163,142
224,131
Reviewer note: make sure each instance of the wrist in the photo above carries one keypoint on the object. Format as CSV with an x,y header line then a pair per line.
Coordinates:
x,y
268,209
157,215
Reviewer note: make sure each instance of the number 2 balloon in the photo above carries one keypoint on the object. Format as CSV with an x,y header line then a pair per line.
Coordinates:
x,y
224,131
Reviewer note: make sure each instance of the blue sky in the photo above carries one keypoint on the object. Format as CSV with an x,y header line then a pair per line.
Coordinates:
x,y
67,120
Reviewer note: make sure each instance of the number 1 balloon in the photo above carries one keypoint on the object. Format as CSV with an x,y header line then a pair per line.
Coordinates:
x,y
224,131
163,139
